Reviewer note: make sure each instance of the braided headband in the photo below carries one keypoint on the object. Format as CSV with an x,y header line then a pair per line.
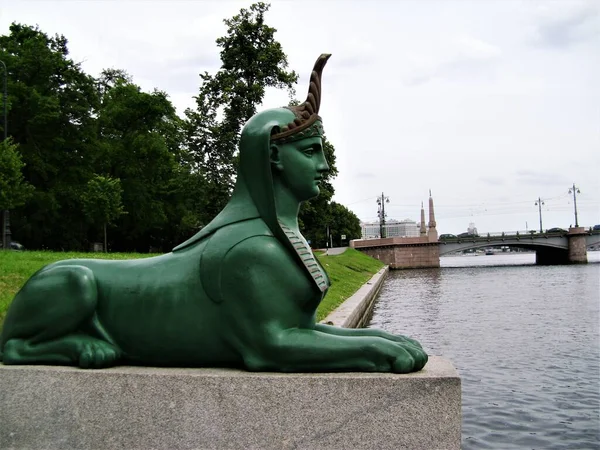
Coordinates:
x,y
307,122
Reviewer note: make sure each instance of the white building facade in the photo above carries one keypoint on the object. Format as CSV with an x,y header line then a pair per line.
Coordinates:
x,y
393,228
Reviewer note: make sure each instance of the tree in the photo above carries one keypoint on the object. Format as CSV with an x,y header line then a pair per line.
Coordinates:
x,y
51,104
343,223
175,175
252,60
70,126
102,201
139,137
14,190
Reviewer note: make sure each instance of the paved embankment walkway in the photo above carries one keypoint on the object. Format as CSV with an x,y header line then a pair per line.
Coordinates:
x,y
336,251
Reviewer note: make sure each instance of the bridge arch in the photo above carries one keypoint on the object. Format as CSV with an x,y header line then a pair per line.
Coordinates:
x,y
550,249
460,246
419,252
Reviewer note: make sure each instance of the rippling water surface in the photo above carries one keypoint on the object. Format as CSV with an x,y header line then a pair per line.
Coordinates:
x,y
524,338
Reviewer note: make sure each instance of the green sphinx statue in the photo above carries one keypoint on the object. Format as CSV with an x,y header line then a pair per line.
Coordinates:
x,y
240,293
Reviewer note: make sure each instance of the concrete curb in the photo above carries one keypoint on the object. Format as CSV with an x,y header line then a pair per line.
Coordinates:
x,y
356,311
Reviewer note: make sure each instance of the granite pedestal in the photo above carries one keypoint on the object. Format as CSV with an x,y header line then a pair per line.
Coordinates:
x,y
156,408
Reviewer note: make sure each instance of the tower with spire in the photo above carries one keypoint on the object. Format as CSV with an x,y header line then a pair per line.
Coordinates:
x,y
423,230
432,233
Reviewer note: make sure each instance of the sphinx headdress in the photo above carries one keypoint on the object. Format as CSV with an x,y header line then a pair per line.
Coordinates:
x,y
307,122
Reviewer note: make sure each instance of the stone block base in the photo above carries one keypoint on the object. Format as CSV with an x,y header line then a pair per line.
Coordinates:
x,y
156,408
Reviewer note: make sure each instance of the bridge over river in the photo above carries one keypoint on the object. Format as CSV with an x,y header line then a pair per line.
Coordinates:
x,y
568,247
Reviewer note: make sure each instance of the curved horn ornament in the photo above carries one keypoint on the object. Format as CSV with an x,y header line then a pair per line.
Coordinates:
x,y
306,113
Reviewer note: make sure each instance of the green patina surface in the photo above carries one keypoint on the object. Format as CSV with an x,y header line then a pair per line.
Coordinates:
x,y
348,272
17,267
243,292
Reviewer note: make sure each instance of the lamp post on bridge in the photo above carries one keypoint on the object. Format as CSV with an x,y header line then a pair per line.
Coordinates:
x,y
575,190
539,203
381,201
5,219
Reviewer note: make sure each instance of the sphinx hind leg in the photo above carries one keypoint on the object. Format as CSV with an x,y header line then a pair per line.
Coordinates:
x,y
74,349
47,320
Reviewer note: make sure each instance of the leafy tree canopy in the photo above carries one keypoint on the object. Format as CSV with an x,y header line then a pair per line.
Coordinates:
x,y
171,175
139,140
252,60
14,190
102,199
102,202
51,107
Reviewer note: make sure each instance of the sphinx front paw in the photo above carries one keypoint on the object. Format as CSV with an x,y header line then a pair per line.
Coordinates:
x,y
411,359
96,354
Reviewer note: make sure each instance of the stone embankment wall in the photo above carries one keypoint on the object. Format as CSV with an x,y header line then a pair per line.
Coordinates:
x,y
401,253
356,311
417,257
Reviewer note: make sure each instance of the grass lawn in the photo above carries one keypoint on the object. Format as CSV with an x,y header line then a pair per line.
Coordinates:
x,y
348,272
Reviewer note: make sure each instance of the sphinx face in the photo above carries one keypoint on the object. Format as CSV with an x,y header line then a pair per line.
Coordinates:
x,y
301,166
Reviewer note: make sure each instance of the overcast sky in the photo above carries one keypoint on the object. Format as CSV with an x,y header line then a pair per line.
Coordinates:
x,y
490,104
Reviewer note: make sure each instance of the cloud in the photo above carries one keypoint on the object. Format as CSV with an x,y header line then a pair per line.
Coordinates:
x,y
430,90
365,175
355,54
179,74
466,57
538,178
493,181
563,24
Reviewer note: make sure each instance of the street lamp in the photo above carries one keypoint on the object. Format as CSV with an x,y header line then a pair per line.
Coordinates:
x,y
539,203
575,191
5,221
5,96
381,201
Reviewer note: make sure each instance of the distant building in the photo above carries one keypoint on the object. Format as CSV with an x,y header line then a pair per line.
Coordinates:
x,y
370,230
404,228
393,228
472,229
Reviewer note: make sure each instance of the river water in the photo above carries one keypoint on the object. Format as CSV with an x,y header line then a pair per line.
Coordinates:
x,y
524,339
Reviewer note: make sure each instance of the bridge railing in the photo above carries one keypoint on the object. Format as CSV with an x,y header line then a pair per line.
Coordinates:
x,y
521,233
505,234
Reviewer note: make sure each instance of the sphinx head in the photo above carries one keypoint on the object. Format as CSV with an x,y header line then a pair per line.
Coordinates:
x,y
299,165
280,148
285,145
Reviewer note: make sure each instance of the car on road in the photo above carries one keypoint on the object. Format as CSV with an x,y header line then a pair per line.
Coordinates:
x,y
596,227
466,234
446,236
556,230
14,245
